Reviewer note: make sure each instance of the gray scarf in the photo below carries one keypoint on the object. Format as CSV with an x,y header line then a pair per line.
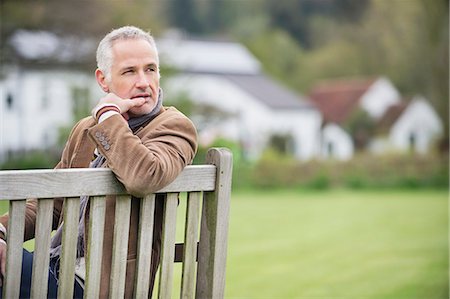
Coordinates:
x,y
55,246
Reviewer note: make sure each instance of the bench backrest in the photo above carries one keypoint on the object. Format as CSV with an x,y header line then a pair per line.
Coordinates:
x,y
208,187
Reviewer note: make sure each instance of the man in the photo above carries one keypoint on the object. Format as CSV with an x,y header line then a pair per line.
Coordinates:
x,y
145,144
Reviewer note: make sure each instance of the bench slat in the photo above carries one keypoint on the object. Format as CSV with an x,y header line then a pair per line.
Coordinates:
x,y
145,244
69,247
41,256
190,245
120,246
214,229
16,228
168,246
91,181
95,246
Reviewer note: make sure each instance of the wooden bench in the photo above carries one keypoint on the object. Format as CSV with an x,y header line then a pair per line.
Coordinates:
x,y
208,187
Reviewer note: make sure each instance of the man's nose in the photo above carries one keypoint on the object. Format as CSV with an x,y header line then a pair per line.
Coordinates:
x,y
142,80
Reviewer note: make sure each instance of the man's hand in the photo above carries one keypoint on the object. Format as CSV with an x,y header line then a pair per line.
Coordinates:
x,y
123,104
2,260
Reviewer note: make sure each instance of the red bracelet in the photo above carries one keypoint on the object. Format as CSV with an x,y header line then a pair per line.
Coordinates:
x,y
106,109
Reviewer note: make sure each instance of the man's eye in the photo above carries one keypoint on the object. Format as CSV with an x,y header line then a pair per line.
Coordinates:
x,y
128,72
151,69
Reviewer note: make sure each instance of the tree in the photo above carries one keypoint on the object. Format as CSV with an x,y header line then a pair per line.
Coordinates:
x,y
361,127
183,14
295,16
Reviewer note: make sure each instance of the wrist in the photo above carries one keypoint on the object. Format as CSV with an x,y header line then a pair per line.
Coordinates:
x,y
105,115
105,108
2,232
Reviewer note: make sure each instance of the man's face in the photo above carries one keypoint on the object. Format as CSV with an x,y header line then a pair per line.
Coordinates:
x,y
135,74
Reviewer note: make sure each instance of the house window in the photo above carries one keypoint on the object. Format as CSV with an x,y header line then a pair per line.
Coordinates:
x,y
45,94
330,149
282,143
46,139
80,102
9,101
412,142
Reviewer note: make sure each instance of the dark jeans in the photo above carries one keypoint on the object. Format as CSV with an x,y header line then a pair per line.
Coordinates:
x,y
25,284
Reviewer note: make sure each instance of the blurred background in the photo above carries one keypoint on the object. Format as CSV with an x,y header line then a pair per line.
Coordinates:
x,y
336,112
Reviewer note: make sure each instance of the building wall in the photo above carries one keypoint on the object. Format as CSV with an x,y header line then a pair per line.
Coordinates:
x,y
379,97
34,104
417,128
336,143
304,126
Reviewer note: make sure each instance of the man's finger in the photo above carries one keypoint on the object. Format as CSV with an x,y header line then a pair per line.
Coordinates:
x,y
137,102
127,104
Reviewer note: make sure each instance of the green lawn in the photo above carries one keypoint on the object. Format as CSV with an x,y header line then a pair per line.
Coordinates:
x,y
338,244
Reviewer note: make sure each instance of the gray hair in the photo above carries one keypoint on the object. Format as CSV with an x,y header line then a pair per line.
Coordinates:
x,y
104,50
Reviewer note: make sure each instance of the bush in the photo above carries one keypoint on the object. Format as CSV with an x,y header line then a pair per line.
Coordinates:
x,y
320,182
31,160
364,171
220,142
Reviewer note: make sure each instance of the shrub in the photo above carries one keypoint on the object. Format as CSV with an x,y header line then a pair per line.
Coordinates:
x,y
364,171
220,142
38,159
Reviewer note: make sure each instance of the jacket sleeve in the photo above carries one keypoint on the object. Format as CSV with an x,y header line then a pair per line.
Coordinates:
x,y
153,158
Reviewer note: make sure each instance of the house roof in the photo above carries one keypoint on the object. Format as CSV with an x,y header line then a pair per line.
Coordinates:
x,y
207,56
391,116
338,98
232,61
269,92
49,47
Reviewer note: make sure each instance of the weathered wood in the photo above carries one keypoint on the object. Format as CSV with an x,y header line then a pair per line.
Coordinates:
x,y
18,184
168,246
179,252
145,244
214,229
69,247
190,245
41,256
95,246
120,246
16,228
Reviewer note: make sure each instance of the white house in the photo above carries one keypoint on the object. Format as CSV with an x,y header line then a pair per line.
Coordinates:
x,y
336,143
339,99
35,103
226,76
379,96
410,126
40,92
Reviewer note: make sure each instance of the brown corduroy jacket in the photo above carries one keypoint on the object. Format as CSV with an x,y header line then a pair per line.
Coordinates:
x,y
144,162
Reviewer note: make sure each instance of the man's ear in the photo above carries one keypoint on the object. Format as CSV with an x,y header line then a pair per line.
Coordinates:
x,y
101,80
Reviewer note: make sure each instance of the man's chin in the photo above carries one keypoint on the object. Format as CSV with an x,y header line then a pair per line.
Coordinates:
x,y
142,110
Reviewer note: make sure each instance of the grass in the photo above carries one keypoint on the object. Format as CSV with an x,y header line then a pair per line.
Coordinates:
x,y
336,244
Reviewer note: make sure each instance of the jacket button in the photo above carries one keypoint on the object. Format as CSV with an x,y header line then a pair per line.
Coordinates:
x,y
98,134
104,142
107,147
